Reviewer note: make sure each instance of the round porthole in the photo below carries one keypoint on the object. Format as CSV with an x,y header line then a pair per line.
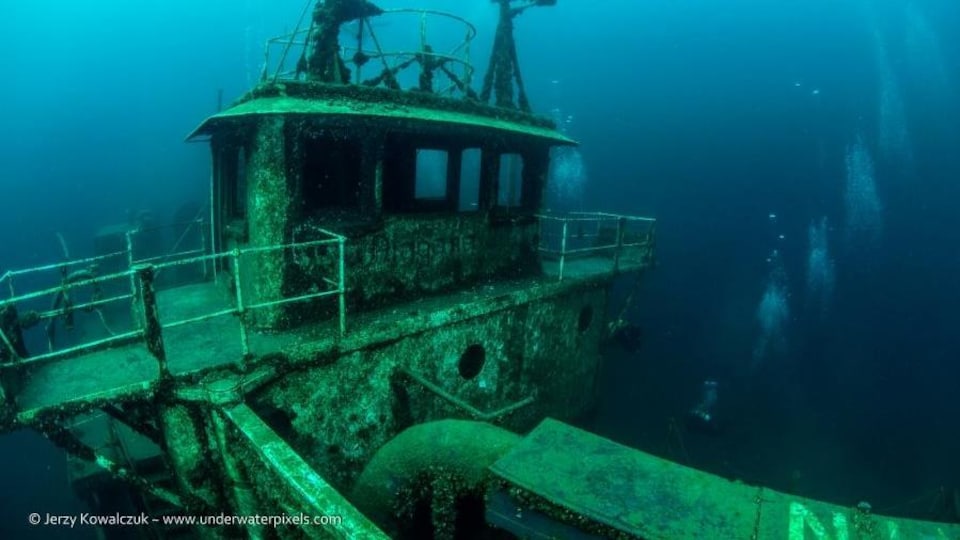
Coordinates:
x,y
585,318
471,361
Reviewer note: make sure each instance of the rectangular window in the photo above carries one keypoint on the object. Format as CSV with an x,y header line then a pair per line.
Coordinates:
x,y
240,192
470,180
431,180
510,181
331,173
232,182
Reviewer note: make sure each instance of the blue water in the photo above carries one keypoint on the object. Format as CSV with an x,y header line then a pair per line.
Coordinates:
x,y
839,118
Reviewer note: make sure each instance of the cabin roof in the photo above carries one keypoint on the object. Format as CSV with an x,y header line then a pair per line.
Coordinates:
x,y
377,105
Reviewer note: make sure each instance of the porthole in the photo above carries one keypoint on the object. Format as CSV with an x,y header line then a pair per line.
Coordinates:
x,y
471,361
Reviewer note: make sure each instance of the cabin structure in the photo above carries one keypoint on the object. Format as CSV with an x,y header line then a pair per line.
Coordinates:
x,y
350,337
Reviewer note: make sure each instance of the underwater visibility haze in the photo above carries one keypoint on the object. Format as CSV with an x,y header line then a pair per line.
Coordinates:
x,y
802,161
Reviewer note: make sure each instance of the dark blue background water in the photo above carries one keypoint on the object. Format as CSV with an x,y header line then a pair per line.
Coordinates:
x,y
707,115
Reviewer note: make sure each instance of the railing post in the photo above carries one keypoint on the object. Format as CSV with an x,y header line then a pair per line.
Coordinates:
x,y
342,289
214,201
563,248
136,317
7,344
244,344
203,246
621,224
152,330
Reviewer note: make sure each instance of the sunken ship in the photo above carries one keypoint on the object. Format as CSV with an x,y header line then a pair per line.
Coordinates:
x,y
375,328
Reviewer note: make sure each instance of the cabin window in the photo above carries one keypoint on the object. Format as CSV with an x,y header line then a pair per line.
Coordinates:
x,y
470,180
331,173
239,206
431,179
510,180
233,182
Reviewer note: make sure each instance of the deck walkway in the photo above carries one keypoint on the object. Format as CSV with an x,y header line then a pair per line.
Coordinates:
x,y
586,267
130,371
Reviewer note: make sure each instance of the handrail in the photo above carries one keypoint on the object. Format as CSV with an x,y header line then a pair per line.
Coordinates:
x,y
64,264
594,216
363,51
150,331
486,416
616,240
89,346
64,286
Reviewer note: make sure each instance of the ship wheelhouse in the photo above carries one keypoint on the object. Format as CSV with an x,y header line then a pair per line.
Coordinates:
x,y
431,193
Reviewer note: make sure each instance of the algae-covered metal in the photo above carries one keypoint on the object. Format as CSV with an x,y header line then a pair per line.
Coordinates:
x,y
376,273
565,479
374,259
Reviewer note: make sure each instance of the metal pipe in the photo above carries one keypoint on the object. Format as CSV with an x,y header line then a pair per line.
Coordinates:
x,y
459,403
470,27
376,43
58,266
456,454
6,342
162,257
189,260
134,291
616,254
86,347
53,313
563,251
296,29
290,300
55,290
213,224
300,245
201,318
203,249
244,345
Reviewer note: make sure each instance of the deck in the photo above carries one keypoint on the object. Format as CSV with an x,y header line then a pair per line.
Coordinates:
x,y
130,371
587,267
202,330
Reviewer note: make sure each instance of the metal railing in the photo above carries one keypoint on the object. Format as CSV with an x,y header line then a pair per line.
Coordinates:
x,y
474,412
594,234
149,328
454,64
84,273
175,252
75,274
62,267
